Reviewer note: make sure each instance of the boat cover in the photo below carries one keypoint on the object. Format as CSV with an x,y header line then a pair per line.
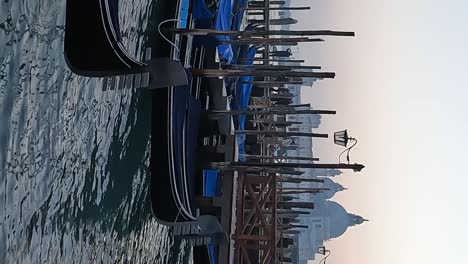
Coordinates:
x,y
212,248
223,22
200,11
184,13
204,18
238,14
242,96
212,183
243,90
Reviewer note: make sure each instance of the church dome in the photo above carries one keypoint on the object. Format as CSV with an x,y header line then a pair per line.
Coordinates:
x,y
332,187
340,220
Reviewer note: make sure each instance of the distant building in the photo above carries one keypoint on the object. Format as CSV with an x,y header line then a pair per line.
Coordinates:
x,y
309,81
332,188
304,144
326,172
328,220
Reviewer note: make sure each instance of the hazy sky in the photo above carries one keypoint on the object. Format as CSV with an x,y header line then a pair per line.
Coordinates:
x,y
401,88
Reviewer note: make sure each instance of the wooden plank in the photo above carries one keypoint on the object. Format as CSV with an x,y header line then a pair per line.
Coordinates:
x,y
121,84
113,82
145,79
148,54
129,81
137,81
105,82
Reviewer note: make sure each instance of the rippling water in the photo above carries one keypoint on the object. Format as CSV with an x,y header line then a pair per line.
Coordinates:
x,y
73,159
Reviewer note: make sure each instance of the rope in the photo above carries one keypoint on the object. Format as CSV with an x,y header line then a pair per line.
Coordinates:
x,y
347,150
164,37
325,258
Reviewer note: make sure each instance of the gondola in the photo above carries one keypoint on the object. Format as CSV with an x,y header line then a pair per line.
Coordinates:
x,y
175,125
93,47
93,42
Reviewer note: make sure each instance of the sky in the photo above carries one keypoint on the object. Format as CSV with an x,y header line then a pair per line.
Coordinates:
x,y
401,88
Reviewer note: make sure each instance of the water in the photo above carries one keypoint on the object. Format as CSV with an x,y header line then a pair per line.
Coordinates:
x,y
74,160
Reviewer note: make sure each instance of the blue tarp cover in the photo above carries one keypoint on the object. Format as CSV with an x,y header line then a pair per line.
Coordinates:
x,y
243,90
200,11
212,180
213,255
185,13
238,14
242,97
223,22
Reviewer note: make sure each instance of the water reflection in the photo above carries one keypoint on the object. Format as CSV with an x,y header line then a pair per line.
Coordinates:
x,y
73,159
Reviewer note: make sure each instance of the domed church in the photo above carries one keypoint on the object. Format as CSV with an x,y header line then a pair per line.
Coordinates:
x,y
332,188
331,220
328,220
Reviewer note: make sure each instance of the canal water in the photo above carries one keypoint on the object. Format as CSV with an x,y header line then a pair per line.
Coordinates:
x,y
74,176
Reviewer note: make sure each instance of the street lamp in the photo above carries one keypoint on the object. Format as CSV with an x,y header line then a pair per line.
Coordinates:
x,y
342,138
325,252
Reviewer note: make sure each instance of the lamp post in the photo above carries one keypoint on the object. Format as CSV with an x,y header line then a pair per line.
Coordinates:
x,y
325,252
342,138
